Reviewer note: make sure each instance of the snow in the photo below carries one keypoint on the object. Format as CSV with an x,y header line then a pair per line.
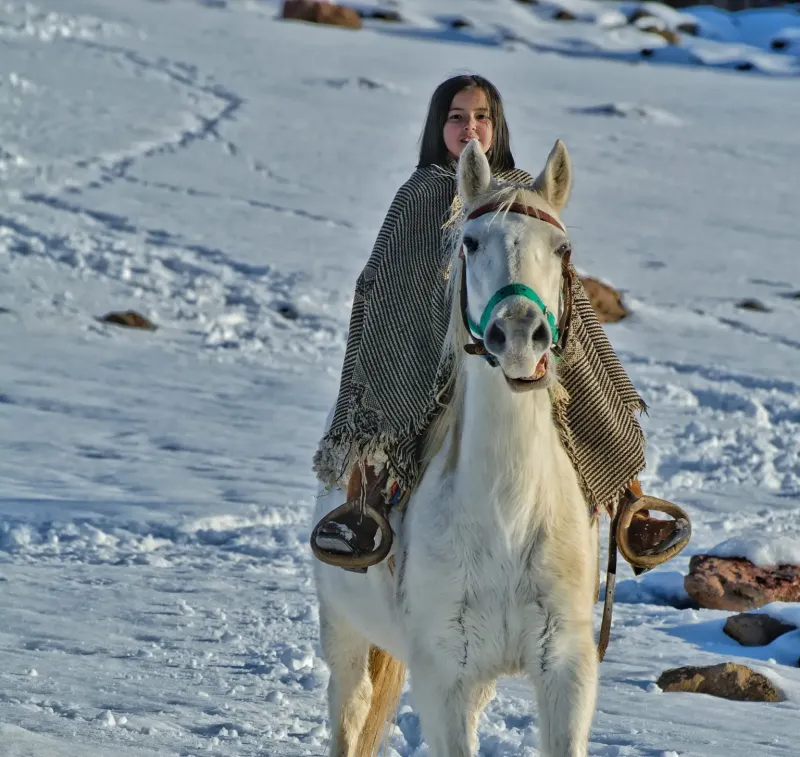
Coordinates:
x,y
225,173
761,550
788,612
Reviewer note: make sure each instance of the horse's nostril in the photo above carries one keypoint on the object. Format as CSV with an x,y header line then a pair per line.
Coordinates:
x,y
496,339
540,334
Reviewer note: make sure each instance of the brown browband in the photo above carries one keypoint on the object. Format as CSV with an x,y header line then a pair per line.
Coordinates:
x,y
517,207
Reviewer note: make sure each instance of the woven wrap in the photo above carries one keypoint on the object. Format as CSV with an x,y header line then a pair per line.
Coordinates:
x,y
392,380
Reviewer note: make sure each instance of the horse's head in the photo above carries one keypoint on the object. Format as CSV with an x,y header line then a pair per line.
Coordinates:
x,y
514,253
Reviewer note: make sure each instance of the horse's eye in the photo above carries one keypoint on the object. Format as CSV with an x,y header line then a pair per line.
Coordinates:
x,y
471,244
564,249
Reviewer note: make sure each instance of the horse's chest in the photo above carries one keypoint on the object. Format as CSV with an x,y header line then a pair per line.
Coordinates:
x,y
484,612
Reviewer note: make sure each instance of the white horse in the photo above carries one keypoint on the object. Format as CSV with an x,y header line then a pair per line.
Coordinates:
x,y
494,562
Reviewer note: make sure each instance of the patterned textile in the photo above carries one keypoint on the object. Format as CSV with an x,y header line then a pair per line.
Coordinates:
x,y
392,382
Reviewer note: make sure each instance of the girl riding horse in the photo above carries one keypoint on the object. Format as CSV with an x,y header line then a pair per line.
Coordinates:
x,y
393,386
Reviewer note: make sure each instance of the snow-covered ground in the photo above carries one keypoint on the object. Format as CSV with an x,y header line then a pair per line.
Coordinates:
x,y
225,174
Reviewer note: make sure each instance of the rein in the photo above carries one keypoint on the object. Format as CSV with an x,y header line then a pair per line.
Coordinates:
x,y
558,330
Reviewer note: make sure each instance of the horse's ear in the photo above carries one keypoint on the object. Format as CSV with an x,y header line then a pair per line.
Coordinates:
x,y
554,183
474,172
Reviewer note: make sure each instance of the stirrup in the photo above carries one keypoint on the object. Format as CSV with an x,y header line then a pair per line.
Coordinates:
x,y
356,561
641,563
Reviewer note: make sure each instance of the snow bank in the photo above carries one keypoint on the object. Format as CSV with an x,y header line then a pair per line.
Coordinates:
x,y
761,550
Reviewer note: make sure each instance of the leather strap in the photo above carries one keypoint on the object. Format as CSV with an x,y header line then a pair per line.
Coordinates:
x,y
517,207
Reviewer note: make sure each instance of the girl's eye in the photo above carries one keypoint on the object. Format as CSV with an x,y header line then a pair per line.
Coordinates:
x,y
471,244
455,117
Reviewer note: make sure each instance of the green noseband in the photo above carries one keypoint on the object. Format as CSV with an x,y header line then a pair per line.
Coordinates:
x,y
512,290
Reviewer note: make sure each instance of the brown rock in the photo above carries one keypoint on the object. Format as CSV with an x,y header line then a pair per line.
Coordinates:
x,y
672,37
727,680
317,12
755,629
733,583
129,318
564,15
606,301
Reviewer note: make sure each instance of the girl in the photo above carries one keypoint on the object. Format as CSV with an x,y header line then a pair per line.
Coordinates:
x,y
392,383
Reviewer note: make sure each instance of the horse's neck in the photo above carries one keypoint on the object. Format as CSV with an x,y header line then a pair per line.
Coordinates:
x,y
509,448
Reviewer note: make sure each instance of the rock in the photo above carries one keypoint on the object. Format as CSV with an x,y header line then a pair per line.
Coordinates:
x,y
606,301
672,37
129,318
755,629
287,310
564,15
317,12
727,680
753,304
735,584
688,27
647,22
379,14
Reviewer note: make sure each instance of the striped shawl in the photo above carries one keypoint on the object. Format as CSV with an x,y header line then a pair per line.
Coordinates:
x,y
392,384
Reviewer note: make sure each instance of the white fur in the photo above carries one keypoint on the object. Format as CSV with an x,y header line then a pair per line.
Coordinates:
x,y
495,561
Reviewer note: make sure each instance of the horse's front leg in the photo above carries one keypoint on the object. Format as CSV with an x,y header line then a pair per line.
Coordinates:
x,y
449,707
563,667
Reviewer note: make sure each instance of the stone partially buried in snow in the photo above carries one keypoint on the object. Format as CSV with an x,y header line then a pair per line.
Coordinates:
x,y
753,304
755,629
129,318
321,13
727,680
606,300
736,584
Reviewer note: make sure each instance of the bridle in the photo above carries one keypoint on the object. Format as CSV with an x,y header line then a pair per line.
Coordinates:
x,y
558,330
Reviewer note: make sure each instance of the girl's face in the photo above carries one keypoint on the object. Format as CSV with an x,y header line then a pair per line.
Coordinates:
x,y
469,118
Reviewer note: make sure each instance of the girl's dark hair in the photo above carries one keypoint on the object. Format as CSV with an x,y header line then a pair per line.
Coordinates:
x,y
432,150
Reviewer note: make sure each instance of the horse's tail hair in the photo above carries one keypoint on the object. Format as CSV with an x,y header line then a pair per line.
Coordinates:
x,y
387,675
